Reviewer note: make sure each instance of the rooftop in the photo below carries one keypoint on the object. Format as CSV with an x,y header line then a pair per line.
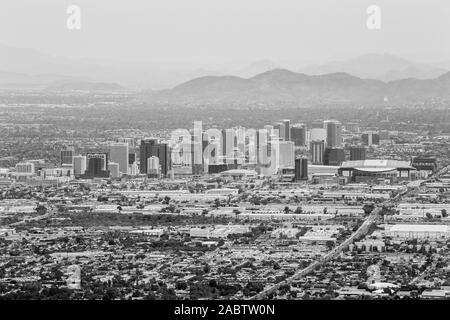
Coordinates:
x,y
419,228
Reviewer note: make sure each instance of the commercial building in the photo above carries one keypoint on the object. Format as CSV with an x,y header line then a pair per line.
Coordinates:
x,y
317,151
152,147
97,165
425,166
301,169
66,156
357,153
79,165
370,138
153,167
418,231
114,169
298,134
287,129
25,167
118,153
334,133
333,156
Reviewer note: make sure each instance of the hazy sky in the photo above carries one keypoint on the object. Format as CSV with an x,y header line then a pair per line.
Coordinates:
x,y
217,31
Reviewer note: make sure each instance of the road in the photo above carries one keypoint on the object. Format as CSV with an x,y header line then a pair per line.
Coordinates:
x,y
360,232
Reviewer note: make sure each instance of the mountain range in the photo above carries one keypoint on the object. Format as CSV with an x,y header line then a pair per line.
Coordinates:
x,y
282,86
367,78
22,67
385,67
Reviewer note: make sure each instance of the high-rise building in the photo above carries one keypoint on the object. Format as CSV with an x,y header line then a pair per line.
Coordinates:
x,y
287,154
370,138
118,153
287,129
114,169
152,147
131,158
67,156
334,133
79,165
333,156
357,153
153,167
129,141
278,129
196,153
298,134
229,142
97,165
134,169
301,169
317,150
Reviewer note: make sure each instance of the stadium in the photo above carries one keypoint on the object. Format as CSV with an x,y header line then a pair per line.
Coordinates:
x,y
371,171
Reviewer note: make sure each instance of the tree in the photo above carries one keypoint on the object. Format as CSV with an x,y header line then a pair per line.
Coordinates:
x,y
444,213
286,209
299,210
329,244
429,216
166,200
41,210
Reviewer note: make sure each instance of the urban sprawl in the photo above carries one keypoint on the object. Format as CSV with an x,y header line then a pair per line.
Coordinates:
x,y
294,209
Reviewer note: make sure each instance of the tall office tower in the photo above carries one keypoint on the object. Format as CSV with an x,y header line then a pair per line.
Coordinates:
x,y
67,156
317,150
370,138
333,156
287,129
262,147
334,133
197,155
278,129
152,147
229,142
269,129
153,168
298,134
301,169
131,158
134,169
240,139
357,153
287,154
118,153
97,165
130,141
79,165
114,169
317,134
